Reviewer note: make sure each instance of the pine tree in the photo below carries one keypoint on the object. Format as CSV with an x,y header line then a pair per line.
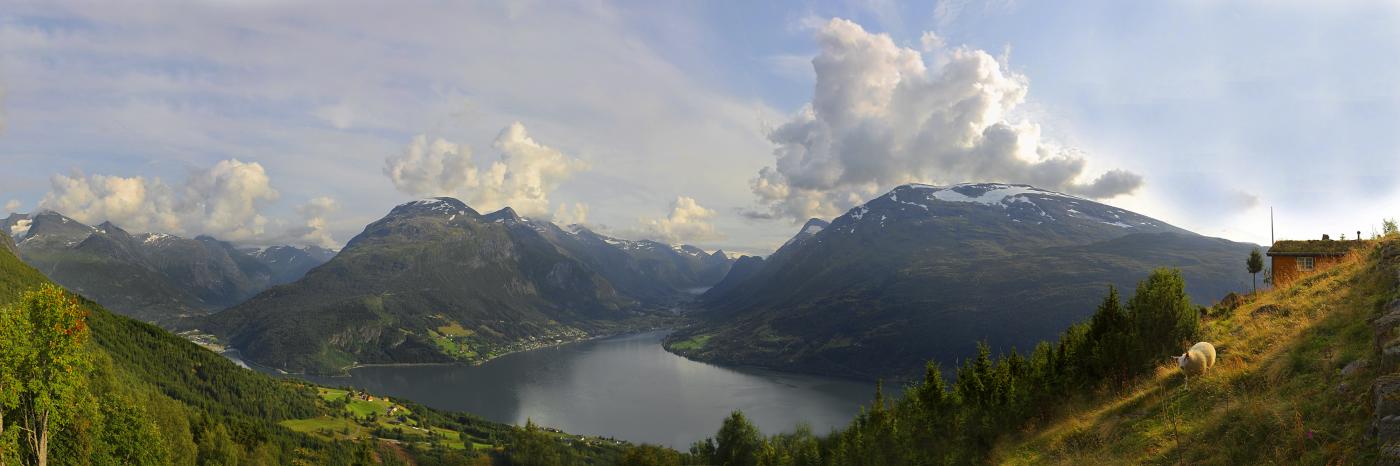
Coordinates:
x,y
1163,317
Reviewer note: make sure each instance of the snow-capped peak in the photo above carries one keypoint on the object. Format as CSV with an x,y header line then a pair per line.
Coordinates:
x,y
981,193
444,206
152,238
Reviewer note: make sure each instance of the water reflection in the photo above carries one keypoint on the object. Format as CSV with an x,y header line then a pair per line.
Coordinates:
x,y
625,387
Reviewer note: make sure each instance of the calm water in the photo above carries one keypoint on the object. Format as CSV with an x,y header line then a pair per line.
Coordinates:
x,y
625,387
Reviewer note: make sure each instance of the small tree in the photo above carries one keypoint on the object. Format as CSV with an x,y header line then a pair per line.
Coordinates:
x,y
1388,226
14,332
738,441
1163,317
1255,263
531,446
45,339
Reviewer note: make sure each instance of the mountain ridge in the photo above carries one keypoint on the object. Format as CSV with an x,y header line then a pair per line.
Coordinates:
x,y
155,277
924,272
436,281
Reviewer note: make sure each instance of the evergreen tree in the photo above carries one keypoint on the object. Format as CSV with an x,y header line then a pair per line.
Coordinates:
x,y
532,446
1109,339
1162,316
217,448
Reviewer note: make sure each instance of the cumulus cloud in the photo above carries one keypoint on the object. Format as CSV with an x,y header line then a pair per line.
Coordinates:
x,y
522,177
571,214
688,222
13,205
222,201
883,115
313,231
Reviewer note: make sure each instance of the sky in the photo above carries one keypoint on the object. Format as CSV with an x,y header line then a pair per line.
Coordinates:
x,y
721,124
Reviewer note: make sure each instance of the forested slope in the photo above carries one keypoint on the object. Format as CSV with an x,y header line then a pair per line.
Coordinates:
x,y
146,396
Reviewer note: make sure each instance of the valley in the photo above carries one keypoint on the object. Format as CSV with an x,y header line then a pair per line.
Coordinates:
x,y
621,233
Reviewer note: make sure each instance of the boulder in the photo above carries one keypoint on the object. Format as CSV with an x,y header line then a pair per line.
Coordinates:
x,y
1386,391
1355,366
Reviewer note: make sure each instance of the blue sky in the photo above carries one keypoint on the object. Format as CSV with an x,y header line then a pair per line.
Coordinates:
x,y
299,121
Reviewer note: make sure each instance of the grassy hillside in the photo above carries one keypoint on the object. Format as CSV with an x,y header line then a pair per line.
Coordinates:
x,y
155,398
1276,396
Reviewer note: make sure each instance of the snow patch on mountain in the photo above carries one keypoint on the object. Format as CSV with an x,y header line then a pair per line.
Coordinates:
x,y
152,238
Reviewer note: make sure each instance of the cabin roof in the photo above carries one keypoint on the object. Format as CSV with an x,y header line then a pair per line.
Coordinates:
x,y
1315,247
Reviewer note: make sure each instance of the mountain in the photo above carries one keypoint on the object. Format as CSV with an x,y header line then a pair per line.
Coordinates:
x,y
925,272
289,263
651,272
436,281
154,277
163,392
151,397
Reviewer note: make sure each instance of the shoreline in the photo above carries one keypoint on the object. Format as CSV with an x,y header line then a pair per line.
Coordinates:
x,y
345,371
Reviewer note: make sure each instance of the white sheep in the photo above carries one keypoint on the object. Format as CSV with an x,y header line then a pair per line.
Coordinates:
x,y
1196,360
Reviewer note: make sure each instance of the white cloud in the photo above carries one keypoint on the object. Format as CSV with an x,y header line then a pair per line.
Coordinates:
x,y
221,201
13,205
212,81
883,115
20,228
314,213
688,222
571,214
522,177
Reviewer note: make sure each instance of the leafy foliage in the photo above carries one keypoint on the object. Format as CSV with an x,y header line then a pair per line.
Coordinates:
x,y
933,423
1254,264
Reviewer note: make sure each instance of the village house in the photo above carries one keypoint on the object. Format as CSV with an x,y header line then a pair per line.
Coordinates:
x,y
1292,259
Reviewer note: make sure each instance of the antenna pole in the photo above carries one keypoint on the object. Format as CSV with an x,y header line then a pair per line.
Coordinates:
x,y
1271,226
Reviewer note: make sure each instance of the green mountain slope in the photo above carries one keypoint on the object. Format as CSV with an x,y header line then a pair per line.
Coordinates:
x,y
151,276
925,272
433,281
186,392
155,398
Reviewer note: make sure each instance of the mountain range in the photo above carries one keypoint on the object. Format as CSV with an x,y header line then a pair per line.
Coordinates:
x,y
154,277
437,281
925,272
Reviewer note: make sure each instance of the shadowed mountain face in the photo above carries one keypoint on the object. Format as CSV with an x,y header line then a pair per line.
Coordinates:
x,y
435,281
151,276
289,263
925,272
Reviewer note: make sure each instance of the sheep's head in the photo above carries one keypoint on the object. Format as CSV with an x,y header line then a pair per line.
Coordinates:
x,y
1180,360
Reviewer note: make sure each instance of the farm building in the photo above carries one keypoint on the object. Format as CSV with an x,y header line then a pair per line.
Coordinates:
x,y
1292,259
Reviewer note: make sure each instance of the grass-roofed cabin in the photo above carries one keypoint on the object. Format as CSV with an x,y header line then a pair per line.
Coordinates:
x,y
1292,259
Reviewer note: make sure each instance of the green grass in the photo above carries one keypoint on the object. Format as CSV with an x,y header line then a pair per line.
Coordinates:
x,y
329,428
1273,397
353,428
455,329
456,347
693,343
